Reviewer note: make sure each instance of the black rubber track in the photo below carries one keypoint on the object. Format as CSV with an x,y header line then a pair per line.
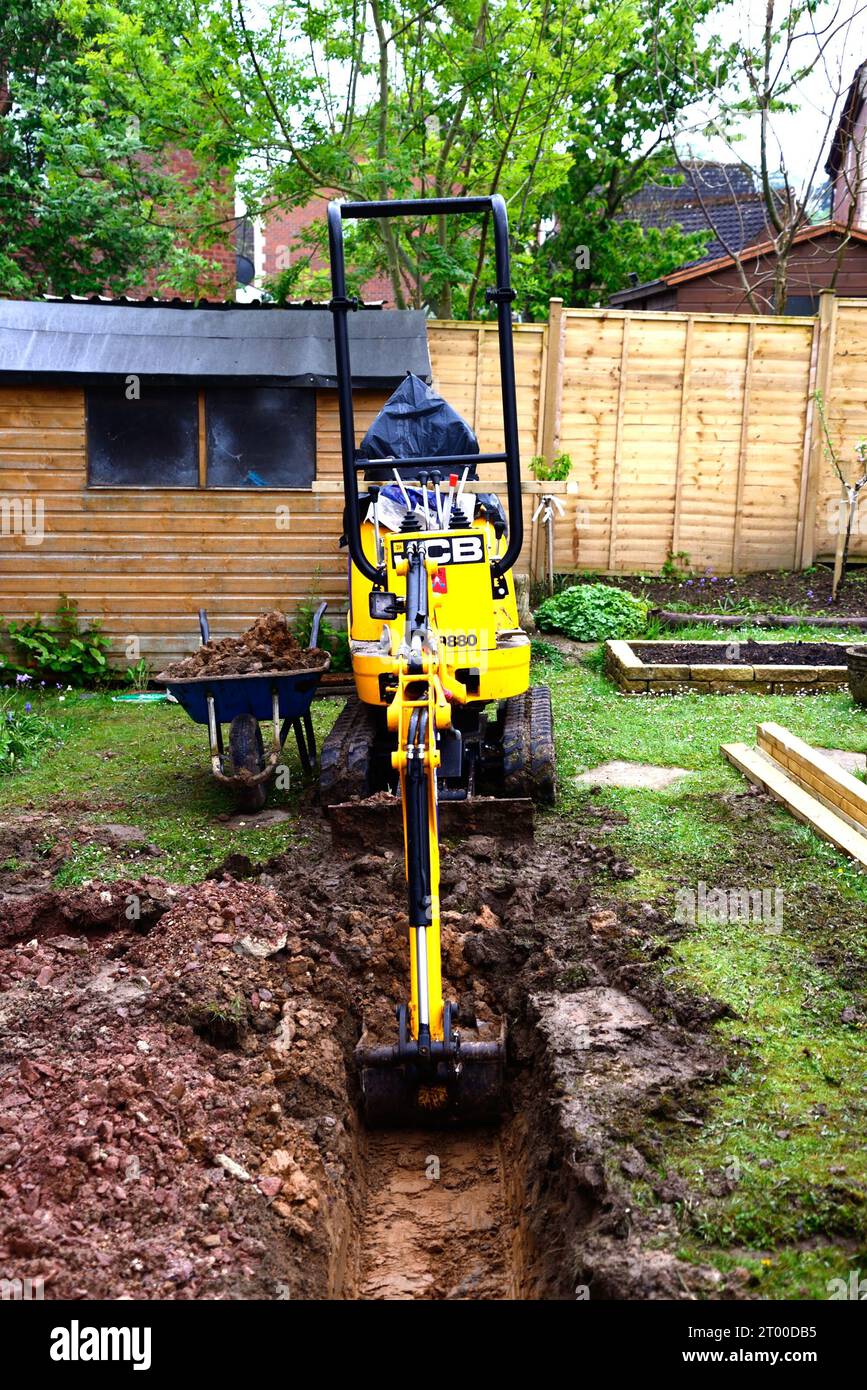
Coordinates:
x,y
345,760
529,763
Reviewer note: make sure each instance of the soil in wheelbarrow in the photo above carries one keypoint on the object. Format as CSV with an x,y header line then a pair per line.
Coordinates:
x,y
265,647
746,653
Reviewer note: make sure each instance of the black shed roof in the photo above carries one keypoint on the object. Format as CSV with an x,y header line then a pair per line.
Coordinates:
x,y
294,346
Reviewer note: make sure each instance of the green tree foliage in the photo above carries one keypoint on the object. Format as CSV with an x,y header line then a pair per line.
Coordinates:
x,y
86,200
617,145
551,104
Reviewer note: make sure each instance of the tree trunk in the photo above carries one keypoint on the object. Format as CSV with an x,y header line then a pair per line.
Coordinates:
x,y
388,236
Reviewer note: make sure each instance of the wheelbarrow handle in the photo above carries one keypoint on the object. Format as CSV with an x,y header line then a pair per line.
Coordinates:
x,y
317,619
204,626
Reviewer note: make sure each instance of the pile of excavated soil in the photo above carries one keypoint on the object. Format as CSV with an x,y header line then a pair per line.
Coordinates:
x,y
265,647
178,1096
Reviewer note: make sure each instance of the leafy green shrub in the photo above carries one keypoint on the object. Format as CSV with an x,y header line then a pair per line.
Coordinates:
x,y
593,613
557,471
23,735
67,651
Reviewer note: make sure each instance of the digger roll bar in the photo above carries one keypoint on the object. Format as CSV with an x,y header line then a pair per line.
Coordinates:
x,y
502,295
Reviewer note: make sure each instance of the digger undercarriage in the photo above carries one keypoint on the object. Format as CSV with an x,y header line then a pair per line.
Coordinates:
x,y
507,752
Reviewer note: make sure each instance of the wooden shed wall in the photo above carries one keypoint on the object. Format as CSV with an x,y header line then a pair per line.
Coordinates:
x,y
812,266
144,560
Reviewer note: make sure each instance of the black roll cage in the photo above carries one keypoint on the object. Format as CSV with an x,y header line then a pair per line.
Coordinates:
x,y
502,296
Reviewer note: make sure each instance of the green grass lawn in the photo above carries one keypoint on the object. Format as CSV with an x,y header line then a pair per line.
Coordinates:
x,y
149,766
788,1126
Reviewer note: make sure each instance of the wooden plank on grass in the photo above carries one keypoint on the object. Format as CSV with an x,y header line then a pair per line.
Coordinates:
x,y
816,773
764,772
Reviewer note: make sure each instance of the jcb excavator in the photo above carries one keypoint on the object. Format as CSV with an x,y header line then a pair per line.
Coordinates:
x,y
444,709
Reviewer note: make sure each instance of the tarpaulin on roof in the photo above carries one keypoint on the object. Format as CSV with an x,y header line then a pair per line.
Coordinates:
x,y
294,346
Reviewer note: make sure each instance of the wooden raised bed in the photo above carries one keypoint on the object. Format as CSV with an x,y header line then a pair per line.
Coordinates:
x,y
636,675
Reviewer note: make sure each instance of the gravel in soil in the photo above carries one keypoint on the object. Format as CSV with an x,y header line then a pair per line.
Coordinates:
x,y
267,646
178,1094
744,653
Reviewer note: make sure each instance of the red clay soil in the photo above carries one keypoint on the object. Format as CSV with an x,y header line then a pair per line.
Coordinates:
x,y
267,646
178,1098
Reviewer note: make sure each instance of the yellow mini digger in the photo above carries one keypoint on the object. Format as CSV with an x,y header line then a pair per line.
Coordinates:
x,y
444,710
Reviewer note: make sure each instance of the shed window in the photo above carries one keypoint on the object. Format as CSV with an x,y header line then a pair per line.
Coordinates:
x,y
262,436
146,433
141,434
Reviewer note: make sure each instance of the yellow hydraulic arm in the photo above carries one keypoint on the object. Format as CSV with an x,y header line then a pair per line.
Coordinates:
x,y
418,710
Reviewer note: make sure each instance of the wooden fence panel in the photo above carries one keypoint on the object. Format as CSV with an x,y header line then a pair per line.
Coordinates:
x,y
465,364
846,412
652,397
766,531
687,434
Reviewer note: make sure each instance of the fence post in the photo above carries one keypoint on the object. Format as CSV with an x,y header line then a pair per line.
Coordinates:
x,y
552,396
827,334
551,404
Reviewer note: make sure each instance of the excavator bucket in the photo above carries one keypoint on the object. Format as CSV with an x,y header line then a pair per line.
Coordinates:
x,y
396,1093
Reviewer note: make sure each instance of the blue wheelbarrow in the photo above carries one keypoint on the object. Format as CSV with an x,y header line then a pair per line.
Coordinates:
x,y
279,698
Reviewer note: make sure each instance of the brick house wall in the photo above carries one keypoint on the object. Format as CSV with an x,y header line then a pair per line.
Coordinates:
x,y
219,249
279,233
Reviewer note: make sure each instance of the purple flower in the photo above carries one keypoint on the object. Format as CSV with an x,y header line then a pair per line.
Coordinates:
x,y
22,679
28,707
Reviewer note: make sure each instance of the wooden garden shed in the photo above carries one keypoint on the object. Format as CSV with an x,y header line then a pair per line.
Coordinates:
x,y
157,458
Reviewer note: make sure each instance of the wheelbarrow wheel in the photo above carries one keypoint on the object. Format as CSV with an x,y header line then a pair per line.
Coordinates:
x,y
248,754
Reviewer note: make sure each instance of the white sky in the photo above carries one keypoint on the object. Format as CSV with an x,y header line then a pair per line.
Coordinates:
x,y
842,28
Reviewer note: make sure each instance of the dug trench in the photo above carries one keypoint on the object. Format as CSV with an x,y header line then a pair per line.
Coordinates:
x,y
179,1100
